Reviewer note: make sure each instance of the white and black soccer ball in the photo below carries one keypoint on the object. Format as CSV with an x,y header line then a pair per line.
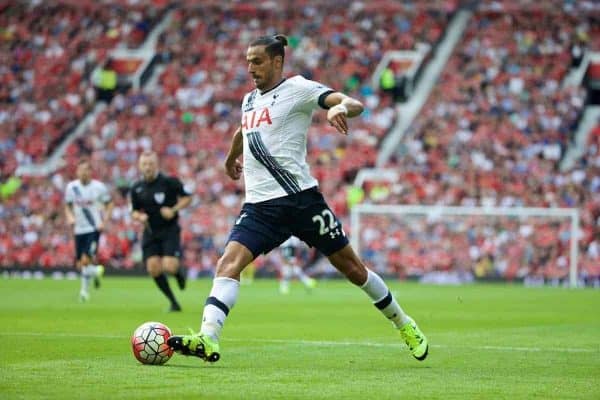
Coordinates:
x,y
149,343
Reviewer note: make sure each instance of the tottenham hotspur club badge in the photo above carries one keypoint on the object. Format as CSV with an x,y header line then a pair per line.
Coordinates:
x,y
159,197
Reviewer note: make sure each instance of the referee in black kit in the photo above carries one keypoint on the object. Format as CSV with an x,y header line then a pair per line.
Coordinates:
x,y
155,202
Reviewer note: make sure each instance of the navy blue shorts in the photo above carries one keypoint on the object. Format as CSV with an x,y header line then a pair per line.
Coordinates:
x,y
263,226
86,243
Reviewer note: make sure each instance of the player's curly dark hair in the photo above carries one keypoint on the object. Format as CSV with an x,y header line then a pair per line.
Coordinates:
x,y
274,45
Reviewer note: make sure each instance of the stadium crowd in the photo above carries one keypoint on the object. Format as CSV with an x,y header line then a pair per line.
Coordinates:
x,y
189,117
494,130
491,133
47,53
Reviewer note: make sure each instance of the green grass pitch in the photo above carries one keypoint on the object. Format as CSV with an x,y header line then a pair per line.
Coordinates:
x,y
487,342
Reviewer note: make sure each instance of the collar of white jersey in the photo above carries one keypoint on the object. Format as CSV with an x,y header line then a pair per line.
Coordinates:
x,y
273,88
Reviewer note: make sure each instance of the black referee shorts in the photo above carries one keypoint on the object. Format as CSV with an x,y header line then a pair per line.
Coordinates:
x,y
163,242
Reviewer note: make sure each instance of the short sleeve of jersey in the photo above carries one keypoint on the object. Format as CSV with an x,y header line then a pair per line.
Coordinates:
x,y
313,93
178,188
135,205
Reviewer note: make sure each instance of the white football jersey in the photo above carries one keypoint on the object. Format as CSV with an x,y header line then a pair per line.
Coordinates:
x,y
274,127
88,202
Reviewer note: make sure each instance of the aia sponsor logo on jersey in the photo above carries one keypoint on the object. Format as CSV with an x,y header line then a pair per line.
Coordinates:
x,y
254,119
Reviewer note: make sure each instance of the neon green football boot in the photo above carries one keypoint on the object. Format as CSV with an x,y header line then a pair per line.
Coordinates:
x,y
196,344
415,340
98,276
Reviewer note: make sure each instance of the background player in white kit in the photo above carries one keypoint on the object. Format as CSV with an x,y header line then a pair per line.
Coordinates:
x,y
282,197
292,261
88,205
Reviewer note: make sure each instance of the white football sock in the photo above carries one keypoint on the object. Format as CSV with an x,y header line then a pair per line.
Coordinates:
x,y
305,279
220,301
286,276
86,277
382,298
90,271
286,272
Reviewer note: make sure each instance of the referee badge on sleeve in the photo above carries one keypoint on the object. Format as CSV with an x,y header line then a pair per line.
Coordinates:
x,y
159,197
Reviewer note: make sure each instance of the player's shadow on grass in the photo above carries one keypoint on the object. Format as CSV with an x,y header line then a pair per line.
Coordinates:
x,y
199,365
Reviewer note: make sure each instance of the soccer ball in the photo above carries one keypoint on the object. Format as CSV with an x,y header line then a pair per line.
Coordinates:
x,y
149,343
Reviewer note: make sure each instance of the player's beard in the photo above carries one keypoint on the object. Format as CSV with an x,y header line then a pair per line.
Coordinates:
x,y
263,81
258,82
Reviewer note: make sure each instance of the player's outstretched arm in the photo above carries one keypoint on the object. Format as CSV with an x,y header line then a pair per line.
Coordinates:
x,y
233,166
342,107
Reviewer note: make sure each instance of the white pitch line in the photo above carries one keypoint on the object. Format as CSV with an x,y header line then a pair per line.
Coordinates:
x,y
400,345
323,343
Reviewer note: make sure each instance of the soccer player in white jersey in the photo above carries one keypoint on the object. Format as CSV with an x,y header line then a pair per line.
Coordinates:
x,y
88,205
291,257
282,197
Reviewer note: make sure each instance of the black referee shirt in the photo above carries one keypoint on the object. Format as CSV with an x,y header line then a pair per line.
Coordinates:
x,y
149,197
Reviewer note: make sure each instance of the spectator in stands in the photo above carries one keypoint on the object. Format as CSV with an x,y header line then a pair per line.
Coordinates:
x,y
105,82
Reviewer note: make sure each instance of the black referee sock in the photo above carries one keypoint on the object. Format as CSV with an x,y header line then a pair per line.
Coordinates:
x,y
181,278
163,285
